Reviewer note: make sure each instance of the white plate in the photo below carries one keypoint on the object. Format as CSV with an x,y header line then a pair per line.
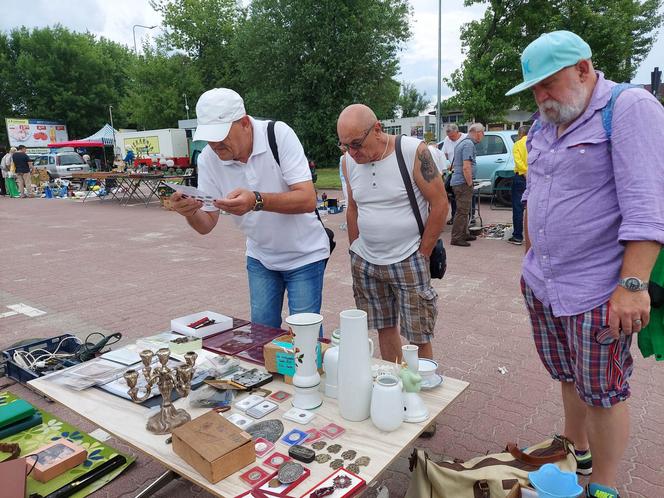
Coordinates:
x,y
434,381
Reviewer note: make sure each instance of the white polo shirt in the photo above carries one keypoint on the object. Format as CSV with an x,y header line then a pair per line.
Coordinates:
x,y
281,242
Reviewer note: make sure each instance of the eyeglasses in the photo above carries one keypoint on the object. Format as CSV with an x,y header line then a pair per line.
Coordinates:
x,y
355,145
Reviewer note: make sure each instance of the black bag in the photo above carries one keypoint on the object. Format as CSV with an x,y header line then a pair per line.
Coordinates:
x,y
272,139
438,258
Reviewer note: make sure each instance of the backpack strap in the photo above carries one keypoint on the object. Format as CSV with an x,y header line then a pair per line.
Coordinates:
x,y
607,110
408,183
272,140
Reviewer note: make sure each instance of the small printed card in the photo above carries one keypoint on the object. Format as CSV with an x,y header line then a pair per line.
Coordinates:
x,y
314,435
254,475
333,430
296,436
263,446
276,459
280,396
192,192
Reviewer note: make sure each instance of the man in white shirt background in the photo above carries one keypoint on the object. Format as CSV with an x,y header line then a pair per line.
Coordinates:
x,y
454,136
271,199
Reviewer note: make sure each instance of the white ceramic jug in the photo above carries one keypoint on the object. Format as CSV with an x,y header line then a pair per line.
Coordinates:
x,y
387,404
355,381
331,367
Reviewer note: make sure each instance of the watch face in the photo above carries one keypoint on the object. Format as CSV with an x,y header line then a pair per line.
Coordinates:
x,y
632,284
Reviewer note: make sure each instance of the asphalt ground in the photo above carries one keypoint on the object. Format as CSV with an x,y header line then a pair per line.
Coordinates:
x,y
102,267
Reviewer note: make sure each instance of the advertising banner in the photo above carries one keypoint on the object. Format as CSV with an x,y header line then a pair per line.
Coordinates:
x,y
142,146
35,132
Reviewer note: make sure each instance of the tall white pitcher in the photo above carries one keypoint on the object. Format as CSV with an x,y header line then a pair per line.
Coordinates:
x,y
354,368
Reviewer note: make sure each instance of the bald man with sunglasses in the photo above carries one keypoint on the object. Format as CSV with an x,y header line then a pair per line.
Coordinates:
x,y
389,258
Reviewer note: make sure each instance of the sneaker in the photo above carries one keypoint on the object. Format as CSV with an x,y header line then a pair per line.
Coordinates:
x,y
450,221
473,222
598,491
470,238
461,243
514,241
429,432
584,462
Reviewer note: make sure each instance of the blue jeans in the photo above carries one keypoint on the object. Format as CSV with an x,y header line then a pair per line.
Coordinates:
x,y
518,188
266,291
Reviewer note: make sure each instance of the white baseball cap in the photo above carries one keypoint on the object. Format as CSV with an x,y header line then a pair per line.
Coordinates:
x,y
216,110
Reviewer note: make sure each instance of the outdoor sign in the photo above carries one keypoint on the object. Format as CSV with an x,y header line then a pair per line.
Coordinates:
x,y
35,132
142,145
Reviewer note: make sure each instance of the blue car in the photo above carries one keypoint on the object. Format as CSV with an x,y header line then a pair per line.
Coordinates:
x,y
495,162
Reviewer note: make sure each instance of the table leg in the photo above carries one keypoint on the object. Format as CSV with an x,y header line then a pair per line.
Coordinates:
x,y
161,481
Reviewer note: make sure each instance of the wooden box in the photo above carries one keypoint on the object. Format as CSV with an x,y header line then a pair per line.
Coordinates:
x,y
55,458
213,446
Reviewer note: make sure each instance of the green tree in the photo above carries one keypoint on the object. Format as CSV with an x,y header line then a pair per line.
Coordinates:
x,y
204,30
53,73
303,61
620,33
157,85
411,102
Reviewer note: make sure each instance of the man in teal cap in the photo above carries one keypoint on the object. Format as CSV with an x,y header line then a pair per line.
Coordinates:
x,y
594,227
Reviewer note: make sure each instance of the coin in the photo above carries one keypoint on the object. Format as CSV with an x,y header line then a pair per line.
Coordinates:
x,y
319,445
349,454
290,472
334,448
363,461
336,464
354,468
323,458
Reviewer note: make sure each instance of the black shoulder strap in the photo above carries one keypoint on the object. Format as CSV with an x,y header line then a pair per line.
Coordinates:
x,y
272,140
408,183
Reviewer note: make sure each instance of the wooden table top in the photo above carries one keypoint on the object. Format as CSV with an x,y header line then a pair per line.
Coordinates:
x,y
126,420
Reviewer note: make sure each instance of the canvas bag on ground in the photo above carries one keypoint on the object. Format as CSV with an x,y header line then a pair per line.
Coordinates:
x,y
489,476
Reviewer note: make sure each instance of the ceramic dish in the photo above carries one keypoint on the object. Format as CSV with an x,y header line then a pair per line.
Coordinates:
x,y
430,382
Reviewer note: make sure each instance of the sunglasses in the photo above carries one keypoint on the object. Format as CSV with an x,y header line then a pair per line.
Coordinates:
x,y
356,145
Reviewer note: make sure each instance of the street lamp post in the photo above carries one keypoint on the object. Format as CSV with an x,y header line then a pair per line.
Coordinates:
x,y
186,105
440,27
110,113
134,31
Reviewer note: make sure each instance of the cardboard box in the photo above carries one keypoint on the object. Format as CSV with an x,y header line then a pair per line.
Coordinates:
x,y
55,458
279,360
213,446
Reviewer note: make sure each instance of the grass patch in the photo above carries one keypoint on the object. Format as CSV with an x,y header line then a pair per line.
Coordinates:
x,y
328,178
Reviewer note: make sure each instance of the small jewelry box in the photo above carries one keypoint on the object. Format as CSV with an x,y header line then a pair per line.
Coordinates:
x,y
55,458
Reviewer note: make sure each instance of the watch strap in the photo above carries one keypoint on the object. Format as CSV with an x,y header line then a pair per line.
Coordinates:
x,y
258,205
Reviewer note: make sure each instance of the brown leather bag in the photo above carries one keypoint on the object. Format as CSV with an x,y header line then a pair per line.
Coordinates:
x,y
489,476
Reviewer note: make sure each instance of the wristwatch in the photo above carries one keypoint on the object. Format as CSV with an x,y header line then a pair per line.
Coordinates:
x,y
633,284
258,206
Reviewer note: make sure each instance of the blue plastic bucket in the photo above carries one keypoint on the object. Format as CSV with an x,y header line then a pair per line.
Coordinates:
x,y
551,482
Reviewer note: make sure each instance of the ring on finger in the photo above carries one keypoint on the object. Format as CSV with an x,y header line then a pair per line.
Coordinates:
x,y
638,322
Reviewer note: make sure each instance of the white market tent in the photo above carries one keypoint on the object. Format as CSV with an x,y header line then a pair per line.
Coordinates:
x,y
105,135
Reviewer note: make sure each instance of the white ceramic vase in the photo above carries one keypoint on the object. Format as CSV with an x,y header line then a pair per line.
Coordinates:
x,y
387,404
355,381
305,328
331,368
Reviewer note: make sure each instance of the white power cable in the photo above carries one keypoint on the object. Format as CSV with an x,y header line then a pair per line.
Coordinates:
x,y
27,359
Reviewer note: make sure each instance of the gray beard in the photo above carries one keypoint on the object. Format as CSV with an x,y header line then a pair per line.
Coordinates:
x,y
566,113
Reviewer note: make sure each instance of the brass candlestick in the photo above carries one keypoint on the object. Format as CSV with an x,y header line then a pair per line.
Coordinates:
x,y
166,379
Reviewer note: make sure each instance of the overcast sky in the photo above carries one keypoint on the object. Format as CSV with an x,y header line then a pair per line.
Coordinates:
x,y
114,19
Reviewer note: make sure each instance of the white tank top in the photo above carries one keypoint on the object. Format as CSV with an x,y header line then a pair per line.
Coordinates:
x,y
387,225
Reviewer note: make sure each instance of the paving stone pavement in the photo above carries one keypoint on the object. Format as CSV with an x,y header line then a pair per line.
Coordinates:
x,y
103,267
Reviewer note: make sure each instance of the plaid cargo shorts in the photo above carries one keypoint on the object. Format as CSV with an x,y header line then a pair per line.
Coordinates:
x,y
399,293
570,353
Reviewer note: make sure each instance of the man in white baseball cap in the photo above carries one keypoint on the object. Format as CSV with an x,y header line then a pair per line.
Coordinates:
x,y
257,172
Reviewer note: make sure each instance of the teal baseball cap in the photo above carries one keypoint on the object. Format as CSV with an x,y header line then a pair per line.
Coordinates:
x,y
547,55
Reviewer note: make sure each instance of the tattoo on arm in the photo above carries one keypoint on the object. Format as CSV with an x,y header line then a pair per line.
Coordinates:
x,y
427,166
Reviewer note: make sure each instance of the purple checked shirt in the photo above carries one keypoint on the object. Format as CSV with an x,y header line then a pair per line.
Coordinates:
x,y
585,199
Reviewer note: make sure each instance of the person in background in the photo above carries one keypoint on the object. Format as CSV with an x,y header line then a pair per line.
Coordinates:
x,y
519,185
438,157
129,158
453,137
3,187
24,167
8,175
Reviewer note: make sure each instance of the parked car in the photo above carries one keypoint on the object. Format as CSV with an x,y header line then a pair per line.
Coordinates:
x,y
495,162
62,164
